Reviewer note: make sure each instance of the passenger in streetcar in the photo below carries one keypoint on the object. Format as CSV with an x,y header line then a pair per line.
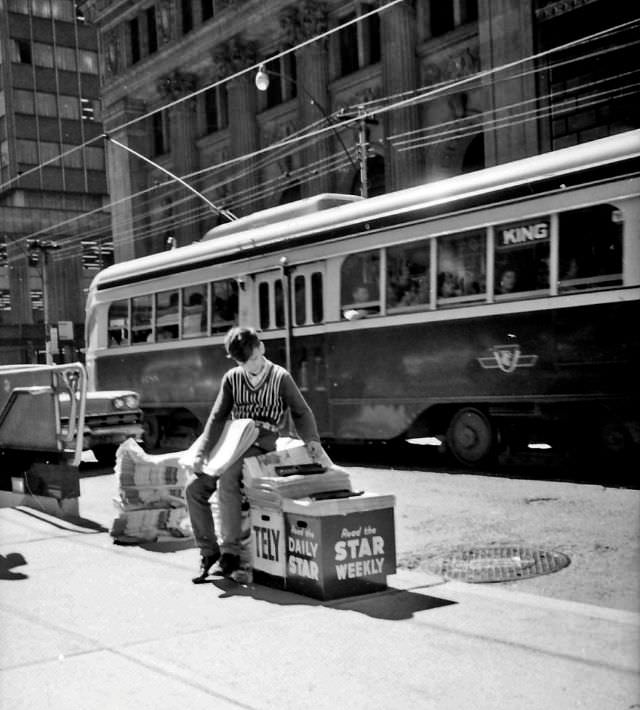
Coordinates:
x,y
255,389
508,281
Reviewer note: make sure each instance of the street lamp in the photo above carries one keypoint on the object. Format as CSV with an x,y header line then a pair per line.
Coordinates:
x,y
262,82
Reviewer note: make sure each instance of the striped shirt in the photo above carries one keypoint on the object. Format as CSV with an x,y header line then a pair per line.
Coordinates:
x,y
265,400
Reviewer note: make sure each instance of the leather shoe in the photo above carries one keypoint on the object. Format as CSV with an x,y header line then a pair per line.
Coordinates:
x,y
206,563
227,565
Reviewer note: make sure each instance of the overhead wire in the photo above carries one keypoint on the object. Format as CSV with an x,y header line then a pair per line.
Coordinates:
x,y
319,132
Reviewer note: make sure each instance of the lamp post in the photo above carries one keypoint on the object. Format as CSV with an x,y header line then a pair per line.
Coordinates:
x,y
262,82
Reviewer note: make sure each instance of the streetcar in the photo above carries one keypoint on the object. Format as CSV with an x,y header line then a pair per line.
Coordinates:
x,y
495,308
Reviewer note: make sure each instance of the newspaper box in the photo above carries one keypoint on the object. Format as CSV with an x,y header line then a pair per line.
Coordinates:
x,y
267,546
339,547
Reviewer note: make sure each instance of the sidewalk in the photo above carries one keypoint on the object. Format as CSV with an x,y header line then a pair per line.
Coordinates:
x,y
88,624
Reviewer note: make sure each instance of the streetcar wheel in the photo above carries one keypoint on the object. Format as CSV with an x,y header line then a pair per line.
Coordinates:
x,y
470,436
151,435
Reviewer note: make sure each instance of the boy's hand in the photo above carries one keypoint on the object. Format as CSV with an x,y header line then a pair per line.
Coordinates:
x,y
315,449
198,463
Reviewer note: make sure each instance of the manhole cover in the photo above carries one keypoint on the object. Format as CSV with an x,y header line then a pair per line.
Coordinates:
x,y
497,563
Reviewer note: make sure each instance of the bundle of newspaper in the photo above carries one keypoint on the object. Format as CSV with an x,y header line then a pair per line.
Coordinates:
x,y
150,497
292,473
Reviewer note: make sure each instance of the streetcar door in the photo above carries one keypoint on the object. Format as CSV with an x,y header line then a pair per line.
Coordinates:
x,y
297,343
308,344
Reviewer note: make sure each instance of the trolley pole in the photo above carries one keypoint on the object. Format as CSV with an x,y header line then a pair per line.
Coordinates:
x,y
43,247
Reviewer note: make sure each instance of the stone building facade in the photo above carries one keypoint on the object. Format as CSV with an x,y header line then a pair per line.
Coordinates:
x,y
425,72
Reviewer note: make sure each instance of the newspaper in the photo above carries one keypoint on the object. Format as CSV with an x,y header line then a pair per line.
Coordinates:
x,y
237,436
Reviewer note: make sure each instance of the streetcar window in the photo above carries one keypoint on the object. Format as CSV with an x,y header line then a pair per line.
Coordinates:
x,y
194,311
408,281
224,305
521,254
317,308
141,309
263,299
360,285
118,323
300,297
279,303
590,248
167,306
461,265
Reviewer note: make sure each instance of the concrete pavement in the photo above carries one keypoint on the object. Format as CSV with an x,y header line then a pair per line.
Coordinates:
x,y
88,624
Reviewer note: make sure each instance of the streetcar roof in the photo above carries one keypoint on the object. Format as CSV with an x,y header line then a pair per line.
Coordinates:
x,y
260,233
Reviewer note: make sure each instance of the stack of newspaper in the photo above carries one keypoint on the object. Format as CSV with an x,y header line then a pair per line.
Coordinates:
x,y
292,473
150,498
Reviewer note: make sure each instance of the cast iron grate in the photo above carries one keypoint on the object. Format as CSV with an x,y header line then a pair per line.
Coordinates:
x,y
497,563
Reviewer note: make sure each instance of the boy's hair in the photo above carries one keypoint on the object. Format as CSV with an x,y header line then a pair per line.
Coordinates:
x,y
240,343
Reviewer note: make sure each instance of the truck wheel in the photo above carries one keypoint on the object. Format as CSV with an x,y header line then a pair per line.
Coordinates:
x,y
105,454
151,425
470,436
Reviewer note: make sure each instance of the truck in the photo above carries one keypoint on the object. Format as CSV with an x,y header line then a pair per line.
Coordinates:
x,y
48,420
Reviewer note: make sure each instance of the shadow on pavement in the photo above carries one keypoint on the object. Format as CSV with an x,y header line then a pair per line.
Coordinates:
x,y
8,562
89,526
391,604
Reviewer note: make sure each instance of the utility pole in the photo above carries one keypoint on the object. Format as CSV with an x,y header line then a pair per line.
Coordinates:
x,y
362,144
43,247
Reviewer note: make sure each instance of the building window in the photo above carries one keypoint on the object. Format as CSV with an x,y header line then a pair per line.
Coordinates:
x,y
160,133
46,104
43,55
21,6
282,73
215,109
21,51
65,58
207,10
94,158
186,12
88,61
23,102
349,47
445,15
62,10
152,33
68,107
134,39
359,43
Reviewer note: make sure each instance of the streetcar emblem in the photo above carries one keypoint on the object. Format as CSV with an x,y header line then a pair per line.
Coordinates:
x,y
507,358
